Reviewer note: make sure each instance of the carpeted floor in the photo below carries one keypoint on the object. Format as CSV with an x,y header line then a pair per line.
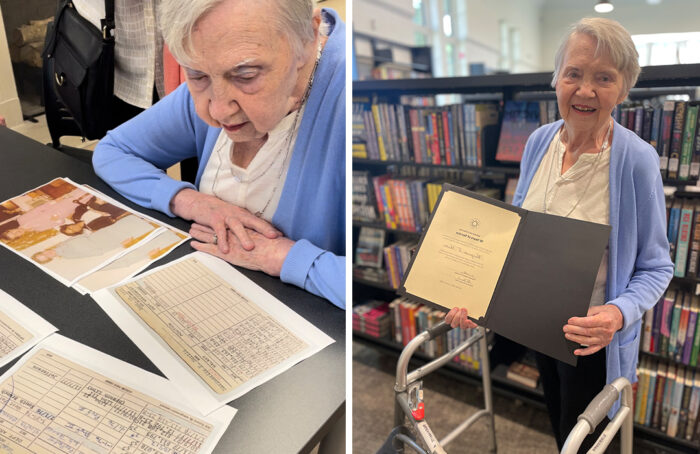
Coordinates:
x,y
520,428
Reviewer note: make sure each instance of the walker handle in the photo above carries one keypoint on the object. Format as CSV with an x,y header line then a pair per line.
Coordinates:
x,y
599,406
438,330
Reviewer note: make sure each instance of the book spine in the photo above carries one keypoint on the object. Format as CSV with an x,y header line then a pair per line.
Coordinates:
x,y
693,408
667,397
690,333
378,128
683,240
446,138
415,133
646,330
695,162
673,225
655,127
687,143
650,398
665,328
676,398
659,395
665,136
696,345
683,328
676,140
675,321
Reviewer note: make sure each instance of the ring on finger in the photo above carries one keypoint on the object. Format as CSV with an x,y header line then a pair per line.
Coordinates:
x,y
215,240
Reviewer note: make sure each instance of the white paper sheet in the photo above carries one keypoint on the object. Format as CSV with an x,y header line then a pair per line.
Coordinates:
x,y
14,343
177,370
70,271
111,405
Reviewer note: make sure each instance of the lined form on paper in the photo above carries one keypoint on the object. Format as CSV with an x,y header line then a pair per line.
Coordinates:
x,y
209,328
220,334
51,404
20,328
12,335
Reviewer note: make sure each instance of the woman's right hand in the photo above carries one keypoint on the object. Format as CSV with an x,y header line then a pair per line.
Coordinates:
x,y
221,216
458,317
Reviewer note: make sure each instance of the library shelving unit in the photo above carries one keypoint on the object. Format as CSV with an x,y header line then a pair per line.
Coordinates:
x,y
654,81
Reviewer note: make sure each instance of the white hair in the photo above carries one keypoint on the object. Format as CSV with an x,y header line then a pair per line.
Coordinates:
x,y
612,39
177,19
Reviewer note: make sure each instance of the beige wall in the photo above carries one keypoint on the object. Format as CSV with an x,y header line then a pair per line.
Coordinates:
x,y
9,101
338,5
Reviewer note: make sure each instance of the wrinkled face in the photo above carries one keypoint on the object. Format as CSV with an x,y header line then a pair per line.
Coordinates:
x,y
244,76
588,87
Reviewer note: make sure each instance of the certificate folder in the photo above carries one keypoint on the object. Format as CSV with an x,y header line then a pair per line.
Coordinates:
x,y
520,273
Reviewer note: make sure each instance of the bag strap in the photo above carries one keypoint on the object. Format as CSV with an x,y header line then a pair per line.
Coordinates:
x,y
51,41
108,22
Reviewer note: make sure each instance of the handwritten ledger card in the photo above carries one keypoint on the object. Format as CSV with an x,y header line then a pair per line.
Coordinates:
x,y
53,401
520,273
210,330
20,328
70,231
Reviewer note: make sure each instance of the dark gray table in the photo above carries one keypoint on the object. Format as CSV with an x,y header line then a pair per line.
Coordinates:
x,y
290,413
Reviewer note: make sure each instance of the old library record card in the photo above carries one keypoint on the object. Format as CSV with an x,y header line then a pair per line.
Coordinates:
x,y
203,323
52,404
463,253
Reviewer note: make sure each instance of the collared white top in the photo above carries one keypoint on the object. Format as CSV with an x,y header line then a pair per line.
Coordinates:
x,y
259,186
566,191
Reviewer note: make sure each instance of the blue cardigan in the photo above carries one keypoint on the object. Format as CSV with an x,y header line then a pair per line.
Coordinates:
x,y
639,265
311,210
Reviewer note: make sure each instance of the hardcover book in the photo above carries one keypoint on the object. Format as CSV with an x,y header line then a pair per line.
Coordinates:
x,y
520,119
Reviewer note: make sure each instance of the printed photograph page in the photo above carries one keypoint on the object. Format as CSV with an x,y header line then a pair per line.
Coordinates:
x,y
20,328
460,260
69,232
66,397
209,329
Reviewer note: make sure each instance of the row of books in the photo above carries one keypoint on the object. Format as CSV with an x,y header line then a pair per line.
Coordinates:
x,y
403,203
683,230
372,318
409,319
454,135
667,398
671,128
396,258
671,328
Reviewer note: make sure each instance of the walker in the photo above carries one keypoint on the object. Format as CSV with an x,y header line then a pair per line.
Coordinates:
x,y
409,408
594,414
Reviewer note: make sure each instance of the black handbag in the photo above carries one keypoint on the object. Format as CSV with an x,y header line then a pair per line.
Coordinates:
x,y
81,58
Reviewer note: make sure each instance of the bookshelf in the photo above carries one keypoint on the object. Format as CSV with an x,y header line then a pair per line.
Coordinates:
x,y
653,81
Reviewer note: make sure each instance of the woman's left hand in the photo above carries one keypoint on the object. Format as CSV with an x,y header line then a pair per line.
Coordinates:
x,y
267,256
596,330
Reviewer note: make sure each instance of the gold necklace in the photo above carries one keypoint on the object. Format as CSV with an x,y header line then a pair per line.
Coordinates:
x,y
287,146
590,172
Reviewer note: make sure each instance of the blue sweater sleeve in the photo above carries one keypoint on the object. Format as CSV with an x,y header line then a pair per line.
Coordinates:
x,y
653,268
133,157
317,271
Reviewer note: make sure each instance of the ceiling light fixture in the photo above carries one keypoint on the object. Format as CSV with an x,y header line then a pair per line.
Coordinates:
x,y
603,6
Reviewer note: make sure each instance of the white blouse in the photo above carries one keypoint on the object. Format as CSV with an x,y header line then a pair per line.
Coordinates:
x,y
259,186
564,193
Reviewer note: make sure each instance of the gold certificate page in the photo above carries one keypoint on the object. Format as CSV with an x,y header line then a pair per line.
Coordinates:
x,y
52,405
463,253
225,338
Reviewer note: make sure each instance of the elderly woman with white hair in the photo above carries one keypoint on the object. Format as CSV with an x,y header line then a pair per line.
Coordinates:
x,y
263,110
586,166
